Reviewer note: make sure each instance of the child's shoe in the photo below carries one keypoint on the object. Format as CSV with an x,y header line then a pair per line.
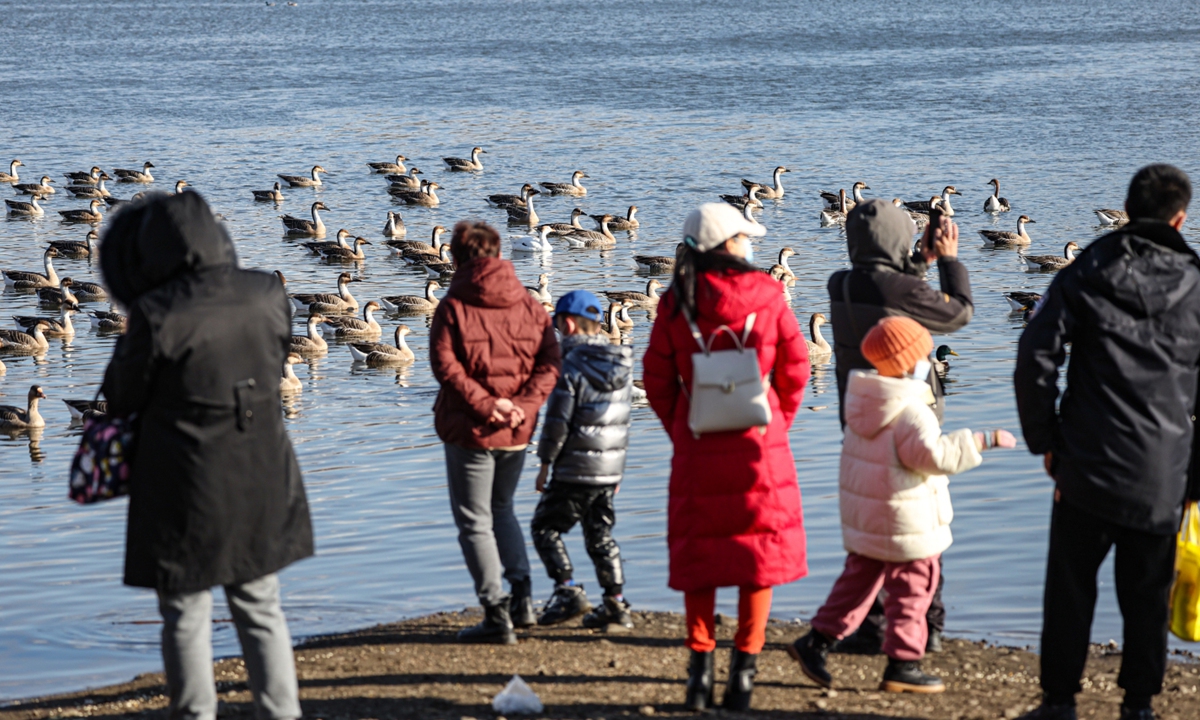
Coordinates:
x,y
906,676
811,651
612,612
567,603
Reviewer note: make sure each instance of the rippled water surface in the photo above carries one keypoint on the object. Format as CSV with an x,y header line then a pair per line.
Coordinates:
x,y
665,105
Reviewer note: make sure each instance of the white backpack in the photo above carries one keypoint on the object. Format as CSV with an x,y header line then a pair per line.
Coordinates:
x,y
728,389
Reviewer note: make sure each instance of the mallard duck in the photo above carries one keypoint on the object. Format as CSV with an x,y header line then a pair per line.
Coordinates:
x,y
463,165
629,222
345,254
380,354
389,167
55,296
830,218
573,188
1020,300
87,192
923,206
288,382
18,208
299,227
539,242
648,299
591,238
86,291
560,229
408,181
30,280
995,203
750,198
311,343
1112,218
541,293
81,409
11,176
346,326
833,200
785,270
91,216
400,247
941,360
502,200
41,189
325,303
135,176
316,246
417,257
774,191
30,342
52,327
394,227
413,303
1051,263
15,418
1003,238
106,321
524,215
272,195
82,177
312,180
426,197
819,349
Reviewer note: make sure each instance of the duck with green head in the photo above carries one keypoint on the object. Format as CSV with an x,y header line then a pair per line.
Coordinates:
x,y
940,362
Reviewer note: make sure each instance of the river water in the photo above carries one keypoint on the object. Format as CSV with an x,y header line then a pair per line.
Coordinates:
x,y
664,105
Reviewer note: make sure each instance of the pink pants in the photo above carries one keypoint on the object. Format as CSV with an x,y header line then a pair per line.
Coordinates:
x,y
910,587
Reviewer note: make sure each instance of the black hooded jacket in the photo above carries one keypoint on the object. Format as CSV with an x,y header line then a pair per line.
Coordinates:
x,y
586,429
887,279
216,495
1122,438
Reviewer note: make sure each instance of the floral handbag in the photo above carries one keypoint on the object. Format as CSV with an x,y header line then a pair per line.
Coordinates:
x,y
101,467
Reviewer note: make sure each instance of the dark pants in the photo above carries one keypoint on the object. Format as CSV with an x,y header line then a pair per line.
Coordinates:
x,y
935,617
564,504
1144,570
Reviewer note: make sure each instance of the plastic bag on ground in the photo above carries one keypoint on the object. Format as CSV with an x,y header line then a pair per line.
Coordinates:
x,y
517,698
1185,595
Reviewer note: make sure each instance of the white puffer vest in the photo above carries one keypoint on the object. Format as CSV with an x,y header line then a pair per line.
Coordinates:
x,y
894,495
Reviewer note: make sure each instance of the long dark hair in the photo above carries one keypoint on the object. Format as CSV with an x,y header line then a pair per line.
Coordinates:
x,y
690,264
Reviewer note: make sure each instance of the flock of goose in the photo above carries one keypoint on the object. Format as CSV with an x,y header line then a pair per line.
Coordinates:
x,y
339,315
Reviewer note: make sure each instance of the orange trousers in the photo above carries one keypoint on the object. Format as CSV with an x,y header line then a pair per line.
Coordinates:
x,y
754,607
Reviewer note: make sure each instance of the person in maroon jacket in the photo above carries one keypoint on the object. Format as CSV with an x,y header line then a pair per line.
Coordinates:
x,y
494,352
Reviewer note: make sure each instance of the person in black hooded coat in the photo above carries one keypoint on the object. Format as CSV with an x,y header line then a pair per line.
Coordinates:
x,y
216,495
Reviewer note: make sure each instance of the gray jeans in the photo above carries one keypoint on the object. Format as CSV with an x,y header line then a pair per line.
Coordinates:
x,y
482,484
266,648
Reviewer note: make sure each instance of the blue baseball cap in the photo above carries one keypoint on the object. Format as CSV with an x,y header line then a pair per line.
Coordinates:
x,y
581,303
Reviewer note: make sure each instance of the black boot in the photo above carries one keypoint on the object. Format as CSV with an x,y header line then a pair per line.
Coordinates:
x,y
1048,711
700,681
906,676
496,628
612,612
811,651
742,668
520,607
1143,713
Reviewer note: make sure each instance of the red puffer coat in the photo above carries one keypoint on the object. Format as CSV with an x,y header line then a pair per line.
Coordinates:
x,y
734,516
489,339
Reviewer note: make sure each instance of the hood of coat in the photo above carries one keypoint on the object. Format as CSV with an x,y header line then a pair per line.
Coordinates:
x,y
728,296
487,282
159,238
607,367
879,235
1155,272
874,401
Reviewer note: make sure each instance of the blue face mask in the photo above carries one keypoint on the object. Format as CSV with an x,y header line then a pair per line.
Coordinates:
x,y
749,252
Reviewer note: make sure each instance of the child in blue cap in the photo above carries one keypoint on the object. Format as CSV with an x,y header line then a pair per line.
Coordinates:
x,y
584,437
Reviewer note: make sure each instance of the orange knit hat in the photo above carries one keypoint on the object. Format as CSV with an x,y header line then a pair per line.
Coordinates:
x,y
895,345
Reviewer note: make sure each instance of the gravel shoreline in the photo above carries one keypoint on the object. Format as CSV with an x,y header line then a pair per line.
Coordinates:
x,y
414,669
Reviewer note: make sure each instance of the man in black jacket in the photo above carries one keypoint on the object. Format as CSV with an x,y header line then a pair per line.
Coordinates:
x,y
887,278
1120,443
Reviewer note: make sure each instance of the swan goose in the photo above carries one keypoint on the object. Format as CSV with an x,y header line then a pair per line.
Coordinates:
x,y
995,203
658,263
560,229
91,216
15,418
925,206
345,253
526,215
818,346
311,343
142,176
313,179
648,299
55,296
18,208
41,188
52,327
389,167
426,197
83,409
591,238
89,177
774,191
464,165
832,199
300,227
1112,218
394,227
108,321
32,341
416,257
1003,238
782,269
1019,300
413,303
11,176
504,200
88,290
288,382
629,222
829,218
541,293
87,192
1051,263
379,354
408,181
30,280
573,188
347,326
400,247
272,195
750,198
326,303
316,246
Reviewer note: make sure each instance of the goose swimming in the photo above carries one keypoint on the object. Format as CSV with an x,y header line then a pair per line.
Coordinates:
x,y
439,269
1051,263
312,180
748,213
316,246
426,197
89,177
91,216
593,239
573,188
299,227
135,176
560,229
11,176
919,219
17,208
77,249
106,321
629,222
1002,239
345,253
41,189
379,354
402,188
420,257
289,384
624,319
87,192
995,203
52,327
83,409
389,167
461,164
311,343
525,215
782,268
55,296
774,191
541,293
85,291
272,195
648,299
179,186
346,326
658,263
924,206
818,347
30,280
28,342
1020,300
832,200
394,227
413,303
15,418
829,218
612,323
536,243
750,198
1112,218
502,200
409,181
402,246
325,303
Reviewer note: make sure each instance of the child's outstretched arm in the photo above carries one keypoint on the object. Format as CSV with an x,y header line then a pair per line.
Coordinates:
x,y
921,446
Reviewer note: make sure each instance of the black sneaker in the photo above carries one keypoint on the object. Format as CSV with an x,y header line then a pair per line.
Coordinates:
x,y
905,676
1142,714
810,651
567,603
861,642
1046,711
612,612
934,643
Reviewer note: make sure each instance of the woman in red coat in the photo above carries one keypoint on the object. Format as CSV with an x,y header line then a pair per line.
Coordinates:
x,y
734,516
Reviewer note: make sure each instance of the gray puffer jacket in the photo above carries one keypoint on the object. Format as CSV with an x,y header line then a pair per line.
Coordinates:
x,y
587,416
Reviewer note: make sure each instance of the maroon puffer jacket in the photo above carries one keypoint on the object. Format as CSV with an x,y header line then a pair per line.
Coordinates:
x,y
489,340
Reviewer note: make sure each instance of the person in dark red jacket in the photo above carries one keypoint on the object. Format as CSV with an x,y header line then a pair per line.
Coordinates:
x,y
734,516
494,353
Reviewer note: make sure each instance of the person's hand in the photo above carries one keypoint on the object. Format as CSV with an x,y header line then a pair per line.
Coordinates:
x,y
995,439
1005,439
1048,463
516,417
502,412
540,484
